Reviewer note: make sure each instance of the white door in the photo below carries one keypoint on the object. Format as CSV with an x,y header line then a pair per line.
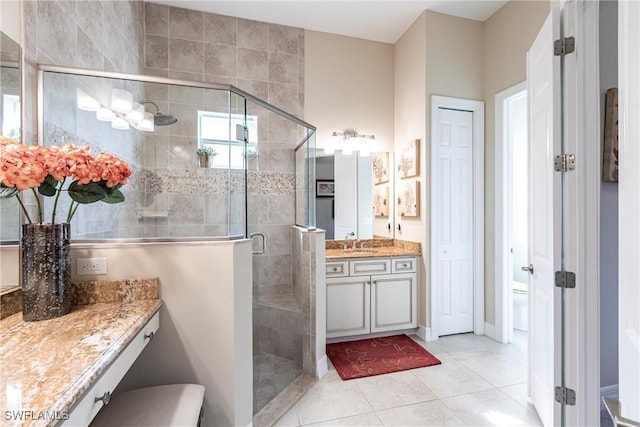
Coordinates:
x,y
453,208
543,77
629,193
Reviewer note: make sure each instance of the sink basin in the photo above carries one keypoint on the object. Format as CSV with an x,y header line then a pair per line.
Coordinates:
x,y
361,251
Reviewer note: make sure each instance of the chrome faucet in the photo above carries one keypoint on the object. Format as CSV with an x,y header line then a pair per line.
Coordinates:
x,y
355,244
347,237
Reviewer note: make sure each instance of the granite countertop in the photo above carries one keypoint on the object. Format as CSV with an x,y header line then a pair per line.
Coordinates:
x,y
48,365
373,248
388,251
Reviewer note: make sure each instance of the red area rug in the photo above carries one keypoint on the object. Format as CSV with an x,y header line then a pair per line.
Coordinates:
x,y
376,356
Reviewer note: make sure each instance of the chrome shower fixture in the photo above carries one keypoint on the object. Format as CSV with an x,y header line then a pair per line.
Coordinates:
x,y
159,118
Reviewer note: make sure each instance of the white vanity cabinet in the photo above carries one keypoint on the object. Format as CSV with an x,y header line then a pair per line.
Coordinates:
x,y
371,295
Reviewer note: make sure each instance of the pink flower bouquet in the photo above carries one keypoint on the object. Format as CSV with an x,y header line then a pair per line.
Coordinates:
x,y
46,169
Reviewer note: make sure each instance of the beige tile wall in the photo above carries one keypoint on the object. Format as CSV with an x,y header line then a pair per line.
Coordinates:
x,y
103,35
264,60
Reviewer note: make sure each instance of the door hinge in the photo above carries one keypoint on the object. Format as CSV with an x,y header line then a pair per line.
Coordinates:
x,y
565,395
565,162
564,46
565,279
242,133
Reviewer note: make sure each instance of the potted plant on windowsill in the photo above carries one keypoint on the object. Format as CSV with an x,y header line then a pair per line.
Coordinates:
x,y
203,156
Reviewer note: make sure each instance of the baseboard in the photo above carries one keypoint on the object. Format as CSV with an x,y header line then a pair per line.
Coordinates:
x,y
490,331
608,391
424,333
322,367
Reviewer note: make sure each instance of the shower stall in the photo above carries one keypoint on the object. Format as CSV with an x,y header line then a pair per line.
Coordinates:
x,y
258,185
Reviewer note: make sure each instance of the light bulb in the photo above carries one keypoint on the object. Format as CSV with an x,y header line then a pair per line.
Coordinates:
x,y
120,123
146,124
136,115
85,102
105,115
121,101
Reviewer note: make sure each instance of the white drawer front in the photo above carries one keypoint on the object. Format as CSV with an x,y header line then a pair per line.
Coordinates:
x,y
403,265
337,269
367,267
87,408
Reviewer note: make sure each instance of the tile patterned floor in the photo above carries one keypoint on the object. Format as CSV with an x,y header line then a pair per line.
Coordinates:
x,y
480,383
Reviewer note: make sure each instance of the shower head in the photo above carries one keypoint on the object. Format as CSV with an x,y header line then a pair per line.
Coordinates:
x,y
159,118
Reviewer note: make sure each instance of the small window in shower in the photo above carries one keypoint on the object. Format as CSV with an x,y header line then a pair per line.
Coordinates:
x,y
11,116
217,131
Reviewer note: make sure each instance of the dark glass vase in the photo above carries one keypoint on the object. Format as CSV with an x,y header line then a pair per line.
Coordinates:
x,y
45,271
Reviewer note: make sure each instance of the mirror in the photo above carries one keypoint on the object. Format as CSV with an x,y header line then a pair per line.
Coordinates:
x,y
10,124
354,194
9,87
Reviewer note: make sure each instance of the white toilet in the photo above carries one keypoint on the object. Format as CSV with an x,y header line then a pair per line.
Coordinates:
x,y
520,306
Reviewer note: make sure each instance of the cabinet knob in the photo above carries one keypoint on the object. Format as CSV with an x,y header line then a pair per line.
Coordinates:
x,y
405,265
105,399
335,268
149,336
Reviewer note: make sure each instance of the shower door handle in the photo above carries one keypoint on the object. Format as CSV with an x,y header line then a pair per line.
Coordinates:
x,y
264,243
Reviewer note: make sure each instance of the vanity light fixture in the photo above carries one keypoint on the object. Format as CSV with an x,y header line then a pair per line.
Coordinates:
x,y
350,141
121,115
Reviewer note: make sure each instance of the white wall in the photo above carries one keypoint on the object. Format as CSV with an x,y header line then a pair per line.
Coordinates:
x,y
349,84
438,55
10,22
410,105
608,209
508,34
205,322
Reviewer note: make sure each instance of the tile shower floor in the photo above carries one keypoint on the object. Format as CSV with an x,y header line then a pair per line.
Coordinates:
x,y
480,382
271,375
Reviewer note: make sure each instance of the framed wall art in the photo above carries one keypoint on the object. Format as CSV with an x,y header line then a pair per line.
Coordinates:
x,y
409,199
409,160
610,145
381,201
325,188
380,166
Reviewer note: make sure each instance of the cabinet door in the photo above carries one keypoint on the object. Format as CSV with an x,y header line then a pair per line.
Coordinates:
x,y
394,303
348,306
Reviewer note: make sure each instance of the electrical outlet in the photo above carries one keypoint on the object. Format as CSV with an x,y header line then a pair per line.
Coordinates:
x,y
93,266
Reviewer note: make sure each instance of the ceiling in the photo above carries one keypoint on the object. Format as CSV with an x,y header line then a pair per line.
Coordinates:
x,y
378,20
